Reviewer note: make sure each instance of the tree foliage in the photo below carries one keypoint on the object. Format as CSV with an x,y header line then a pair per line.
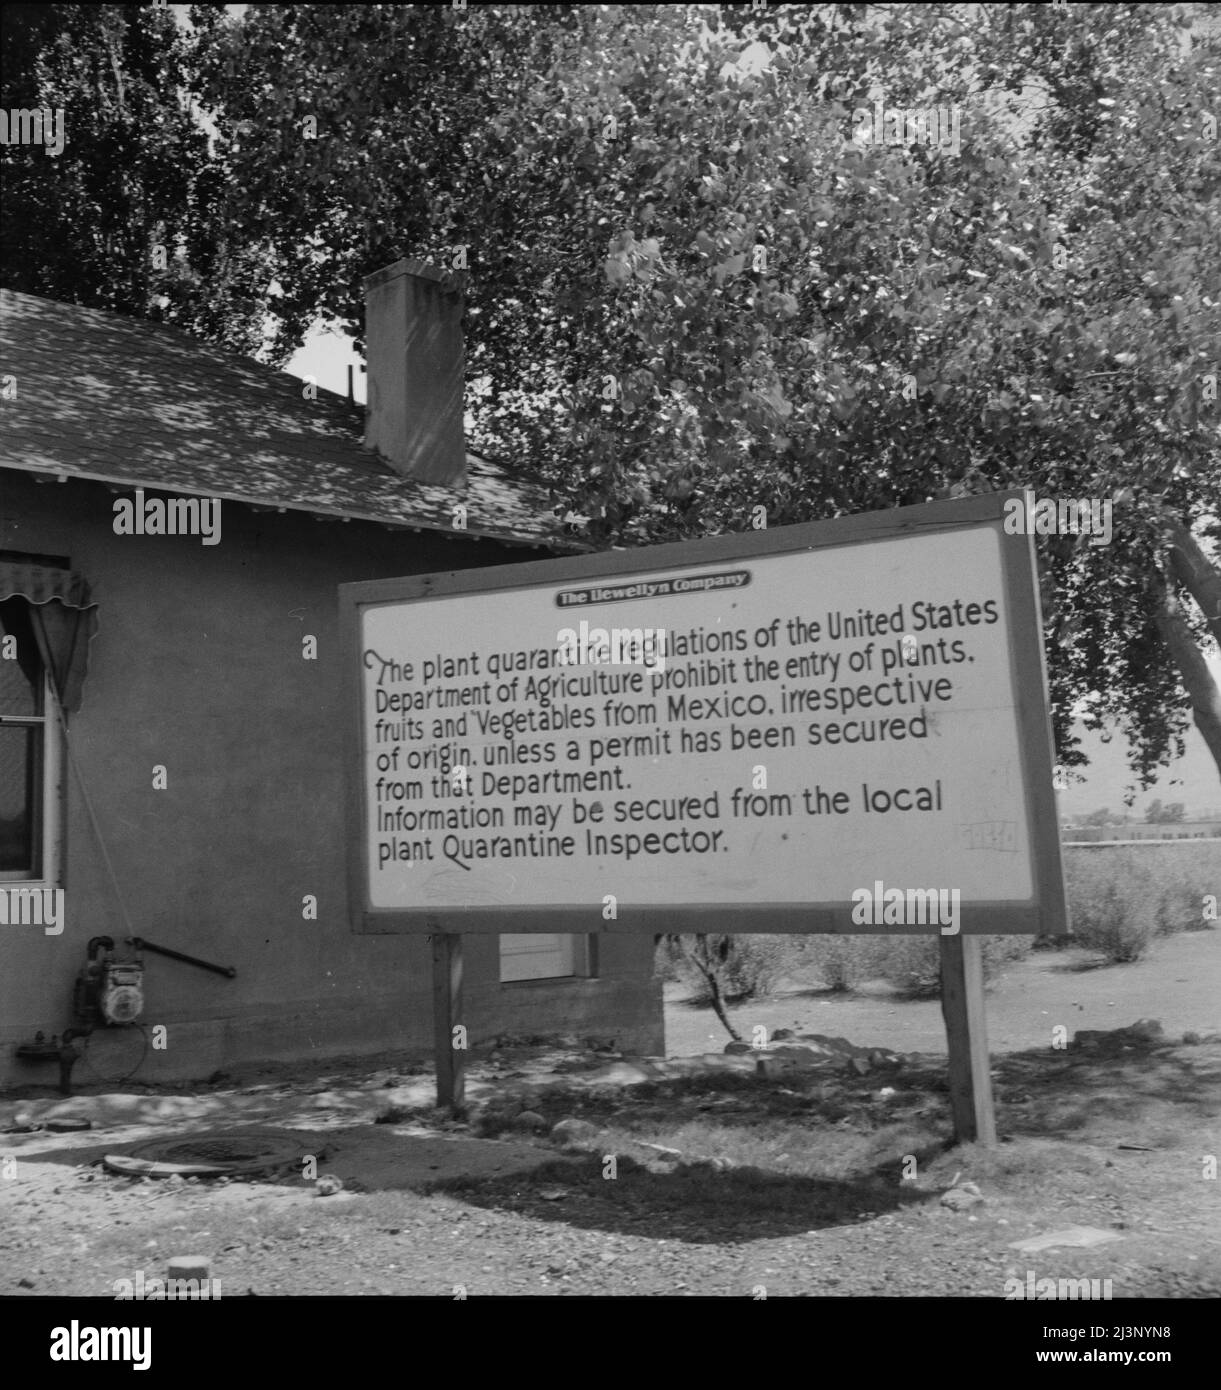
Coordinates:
x,y
135,177
692,294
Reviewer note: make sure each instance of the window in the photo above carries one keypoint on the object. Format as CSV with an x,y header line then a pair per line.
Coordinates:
x,y
542,956
29,751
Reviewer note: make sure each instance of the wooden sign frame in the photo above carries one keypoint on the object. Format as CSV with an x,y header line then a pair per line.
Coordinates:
x,y
1044,911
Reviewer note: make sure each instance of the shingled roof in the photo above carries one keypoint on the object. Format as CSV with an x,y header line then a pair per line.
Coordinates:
x,y
126,401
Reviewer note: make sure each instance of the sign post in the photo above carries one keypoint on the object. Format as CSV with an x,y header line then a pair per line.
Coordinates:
x,y
962,1007
449,1046
840,726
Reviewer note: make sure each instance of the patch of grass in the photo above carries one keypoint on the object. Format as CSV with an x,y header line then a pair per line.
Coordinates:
x,y
1023,1166
808,1124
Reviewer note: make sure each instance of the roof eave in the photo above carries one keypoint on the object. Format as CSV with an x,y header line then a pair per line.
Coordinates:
x,y
316,509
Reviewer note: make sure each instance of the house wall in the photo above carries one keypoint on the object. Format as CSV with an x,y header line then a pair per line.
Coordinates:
x,y
197,667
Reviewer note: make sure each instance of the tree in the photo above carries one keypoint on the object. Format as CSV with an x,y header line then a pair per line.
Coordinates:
x,y
1100,817
352,135
710,956
692,294
126,217
1040,355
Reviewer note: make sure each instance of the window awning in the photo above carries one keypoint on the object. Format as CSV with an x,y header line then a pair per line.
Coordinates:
x,y
64,619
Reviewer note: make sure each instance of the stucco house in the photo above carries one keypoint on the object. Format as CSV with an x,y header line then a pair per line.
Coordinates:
x,y
174,523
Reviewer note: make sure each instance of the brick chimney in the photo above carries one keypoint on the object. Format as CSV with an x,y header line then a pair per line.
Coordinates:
x,y
415,360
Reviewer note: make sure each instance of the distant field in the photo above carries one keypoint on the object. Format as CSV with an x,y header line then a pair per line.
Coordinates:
x,y
1200,851
1178,982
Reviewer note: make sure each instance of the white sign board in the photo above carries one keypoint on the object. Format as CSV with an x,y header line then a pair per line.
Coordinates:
x,y
783,729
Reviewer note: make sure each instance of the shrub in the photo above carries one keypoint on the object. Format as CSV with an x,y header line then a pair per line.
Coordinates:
x,y
913,966
842,962
757,964
752,966
1000,951
1179,908
913,963
1180,877
667,959
1176,878
1113,904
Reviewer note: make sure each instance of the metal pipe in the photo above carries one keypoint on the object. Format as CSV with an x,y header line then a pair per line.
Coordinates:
x,y
141,944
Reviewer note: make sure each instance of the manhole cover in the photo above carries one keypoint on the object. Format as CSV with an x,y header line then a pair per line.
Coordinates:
x,y
241,1154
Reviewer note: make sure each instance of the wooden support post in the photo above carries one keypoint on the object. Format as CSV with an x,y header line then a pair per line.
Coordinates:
x,y
962,1007
447,1015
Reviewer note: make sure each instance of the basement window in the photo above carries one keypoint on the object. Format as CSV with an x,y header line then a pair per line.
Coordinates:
x,y
543,956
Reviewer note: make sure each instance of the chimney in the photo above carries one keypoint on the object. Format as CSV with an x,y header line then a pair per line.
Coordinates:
x,y
413,347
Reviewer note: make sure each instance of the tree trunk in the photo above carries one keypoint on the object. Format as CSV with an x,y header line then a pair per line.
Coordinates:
x,y
1200,686
718,1004
708,966
1195,572
700,955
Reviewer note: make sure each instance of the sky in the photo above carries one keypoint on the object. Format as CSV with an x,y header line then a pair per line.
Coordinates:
x,y
326,356
1193,780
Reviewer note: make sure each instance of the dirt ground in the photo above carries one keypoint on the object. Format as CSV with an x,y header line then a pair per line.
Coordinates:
x,y
695,1176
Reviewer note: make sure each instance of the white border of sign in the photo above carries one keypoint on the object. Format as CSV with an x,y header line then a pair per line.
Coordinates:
x,y
1043,912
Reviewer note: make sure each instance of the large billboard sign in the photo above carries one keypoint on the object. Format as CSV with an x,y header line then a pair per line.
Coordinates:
x,y
839,726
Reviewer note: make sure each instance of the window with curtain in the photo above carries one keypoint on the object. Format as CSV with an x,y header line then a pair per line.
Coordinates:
x,y
47,621
24,745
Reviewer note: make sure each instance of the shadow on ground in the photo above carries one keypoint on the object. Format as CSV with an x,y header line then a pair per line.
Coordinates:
x,y
1150,1096
1081,967
695,1203
1109,1089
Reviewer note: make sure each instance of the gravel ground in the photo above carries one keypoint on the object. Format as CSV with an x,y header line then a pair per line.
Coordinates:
x,y
519,1217
788,1183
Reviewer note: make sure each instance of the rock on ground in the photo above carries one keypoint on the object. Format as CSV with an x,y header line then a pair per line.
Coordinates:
x,y
573,1133
963,1197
